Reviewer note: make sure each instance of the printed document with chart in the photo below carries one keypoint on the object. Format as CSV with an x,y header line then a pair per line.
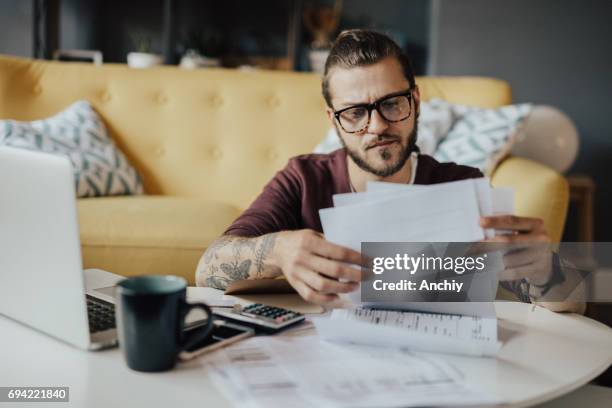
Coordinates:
x,y
439,213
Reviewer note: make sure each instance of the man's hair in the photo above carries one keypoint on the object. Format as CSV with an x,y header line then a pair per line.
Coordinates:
x,y
357,48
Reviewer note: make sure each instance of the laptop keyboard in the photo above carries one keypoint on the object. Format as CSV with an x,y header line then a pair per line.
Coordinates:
x,y
101,314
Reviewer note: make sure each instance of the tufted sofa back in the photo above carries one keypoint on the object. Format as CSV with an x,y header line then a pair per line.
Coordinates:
x,y
214,133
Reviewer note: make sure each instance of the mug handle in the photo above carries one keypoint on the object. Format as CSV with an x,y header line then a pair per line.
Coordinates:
x,y
201,333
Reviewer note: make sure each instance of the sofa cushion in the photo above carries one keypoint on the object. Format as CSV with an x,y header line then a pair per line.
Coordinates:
x,y
150,234
100,168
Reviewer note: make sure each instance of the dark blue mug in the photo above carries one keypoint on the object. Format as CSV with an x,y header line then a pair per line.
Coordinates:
x,y
151,313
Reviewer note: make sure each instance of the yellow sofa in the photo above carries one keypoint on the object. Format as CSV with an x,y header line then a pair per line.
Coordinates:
x,y
206,141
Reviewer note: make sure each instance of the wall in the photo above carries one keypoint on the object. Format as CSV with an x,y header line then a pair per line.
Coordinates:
x,y
16,22
406,21
78,24
408,17
552,52
246,28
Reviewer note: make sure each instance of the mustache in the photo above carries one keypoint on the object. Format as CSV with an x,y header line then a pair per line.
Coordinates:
x,y
382,138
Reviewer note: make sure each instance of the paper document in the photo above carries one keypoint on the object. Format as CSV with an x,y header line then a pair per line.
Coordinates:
x,y
491,201
393,212
259,286
212,297
446,214
437,213
306,372
453,334
473,309
502,200
451,326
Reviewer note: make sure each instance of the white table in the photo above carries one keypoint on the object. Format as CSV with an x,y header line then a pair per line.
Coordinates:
x,y
589,396
545,355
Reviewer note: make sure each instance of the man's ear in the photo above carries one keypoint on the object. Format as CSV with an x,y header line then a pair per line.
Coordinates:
x,y
416,95
330,115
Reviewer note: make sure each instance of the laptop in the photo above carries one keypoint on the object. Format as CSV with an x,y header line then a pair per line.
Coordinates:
x,y
42,283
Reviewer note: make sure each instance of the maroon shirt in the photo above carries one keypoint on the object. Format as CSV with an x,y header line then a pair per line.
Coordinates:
x,y
293,198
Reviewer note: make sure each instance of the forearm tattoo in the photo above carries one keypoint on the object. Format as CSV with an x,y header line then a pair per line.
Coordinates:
x,y
267,243
235,258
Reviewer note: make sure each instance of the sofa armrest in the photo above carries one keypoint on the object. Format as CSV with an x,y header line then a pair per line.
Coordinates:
x,y
539,192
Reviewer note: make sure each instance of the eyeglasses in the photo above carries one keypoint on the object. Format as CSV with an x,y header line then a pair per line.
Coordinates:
x,y
393,108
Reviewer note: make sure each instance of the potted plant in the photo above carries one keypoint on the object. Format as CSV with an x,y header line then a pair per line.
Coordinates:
x,y
143,57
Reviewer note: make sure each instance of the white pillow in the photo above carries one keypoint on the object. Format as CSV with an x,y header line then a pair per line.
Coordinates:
x,y
330,143
482,137
78,133
435,121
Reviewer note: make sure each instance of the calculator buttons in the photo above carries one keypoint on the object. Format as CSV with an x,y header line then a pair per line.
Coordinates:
x,y
267,318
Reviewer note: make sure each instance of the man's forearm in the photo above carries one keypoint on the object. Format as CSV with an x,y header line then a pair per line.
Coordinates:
x,y
232,258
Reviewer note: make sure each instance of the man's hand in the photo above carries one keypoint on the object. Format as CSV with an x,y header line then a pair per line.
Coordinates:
x,y
316,268
530,256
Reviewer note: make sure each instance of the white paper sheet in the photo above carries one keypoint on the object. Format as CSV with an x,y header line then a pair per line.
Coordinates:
x,y
473,309
306,372
448,214
212,297
453,334
485,201
392,212
491,201
445,212
502,200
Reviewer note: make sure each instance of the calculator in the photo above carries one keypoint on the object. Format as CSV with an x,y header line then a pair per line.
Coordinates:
x,y
263,318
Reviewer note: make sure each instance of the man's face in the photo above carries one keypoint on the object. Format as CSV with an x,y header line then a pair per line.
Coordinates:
x,y
383,147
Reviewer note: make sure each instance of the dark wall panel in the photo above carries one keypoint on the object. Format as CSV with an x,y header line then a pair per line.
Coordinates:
x,y
16,28
554,52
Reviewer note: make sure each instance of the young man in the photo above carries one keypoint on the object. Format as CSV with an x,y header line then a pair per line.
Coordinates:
x,y
373,102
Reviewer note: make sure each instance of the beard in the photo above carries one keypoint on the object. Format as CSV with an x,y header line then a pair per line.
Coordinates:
x,y
385,154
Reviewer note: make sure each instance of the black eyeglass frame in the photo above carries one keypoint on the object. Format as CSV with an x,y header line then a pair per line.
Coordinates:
x,y
375,105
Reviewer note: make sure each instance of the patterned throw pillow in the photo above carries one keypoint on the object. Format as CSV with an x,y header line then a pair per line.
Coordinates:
x,y
78,133
482,137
